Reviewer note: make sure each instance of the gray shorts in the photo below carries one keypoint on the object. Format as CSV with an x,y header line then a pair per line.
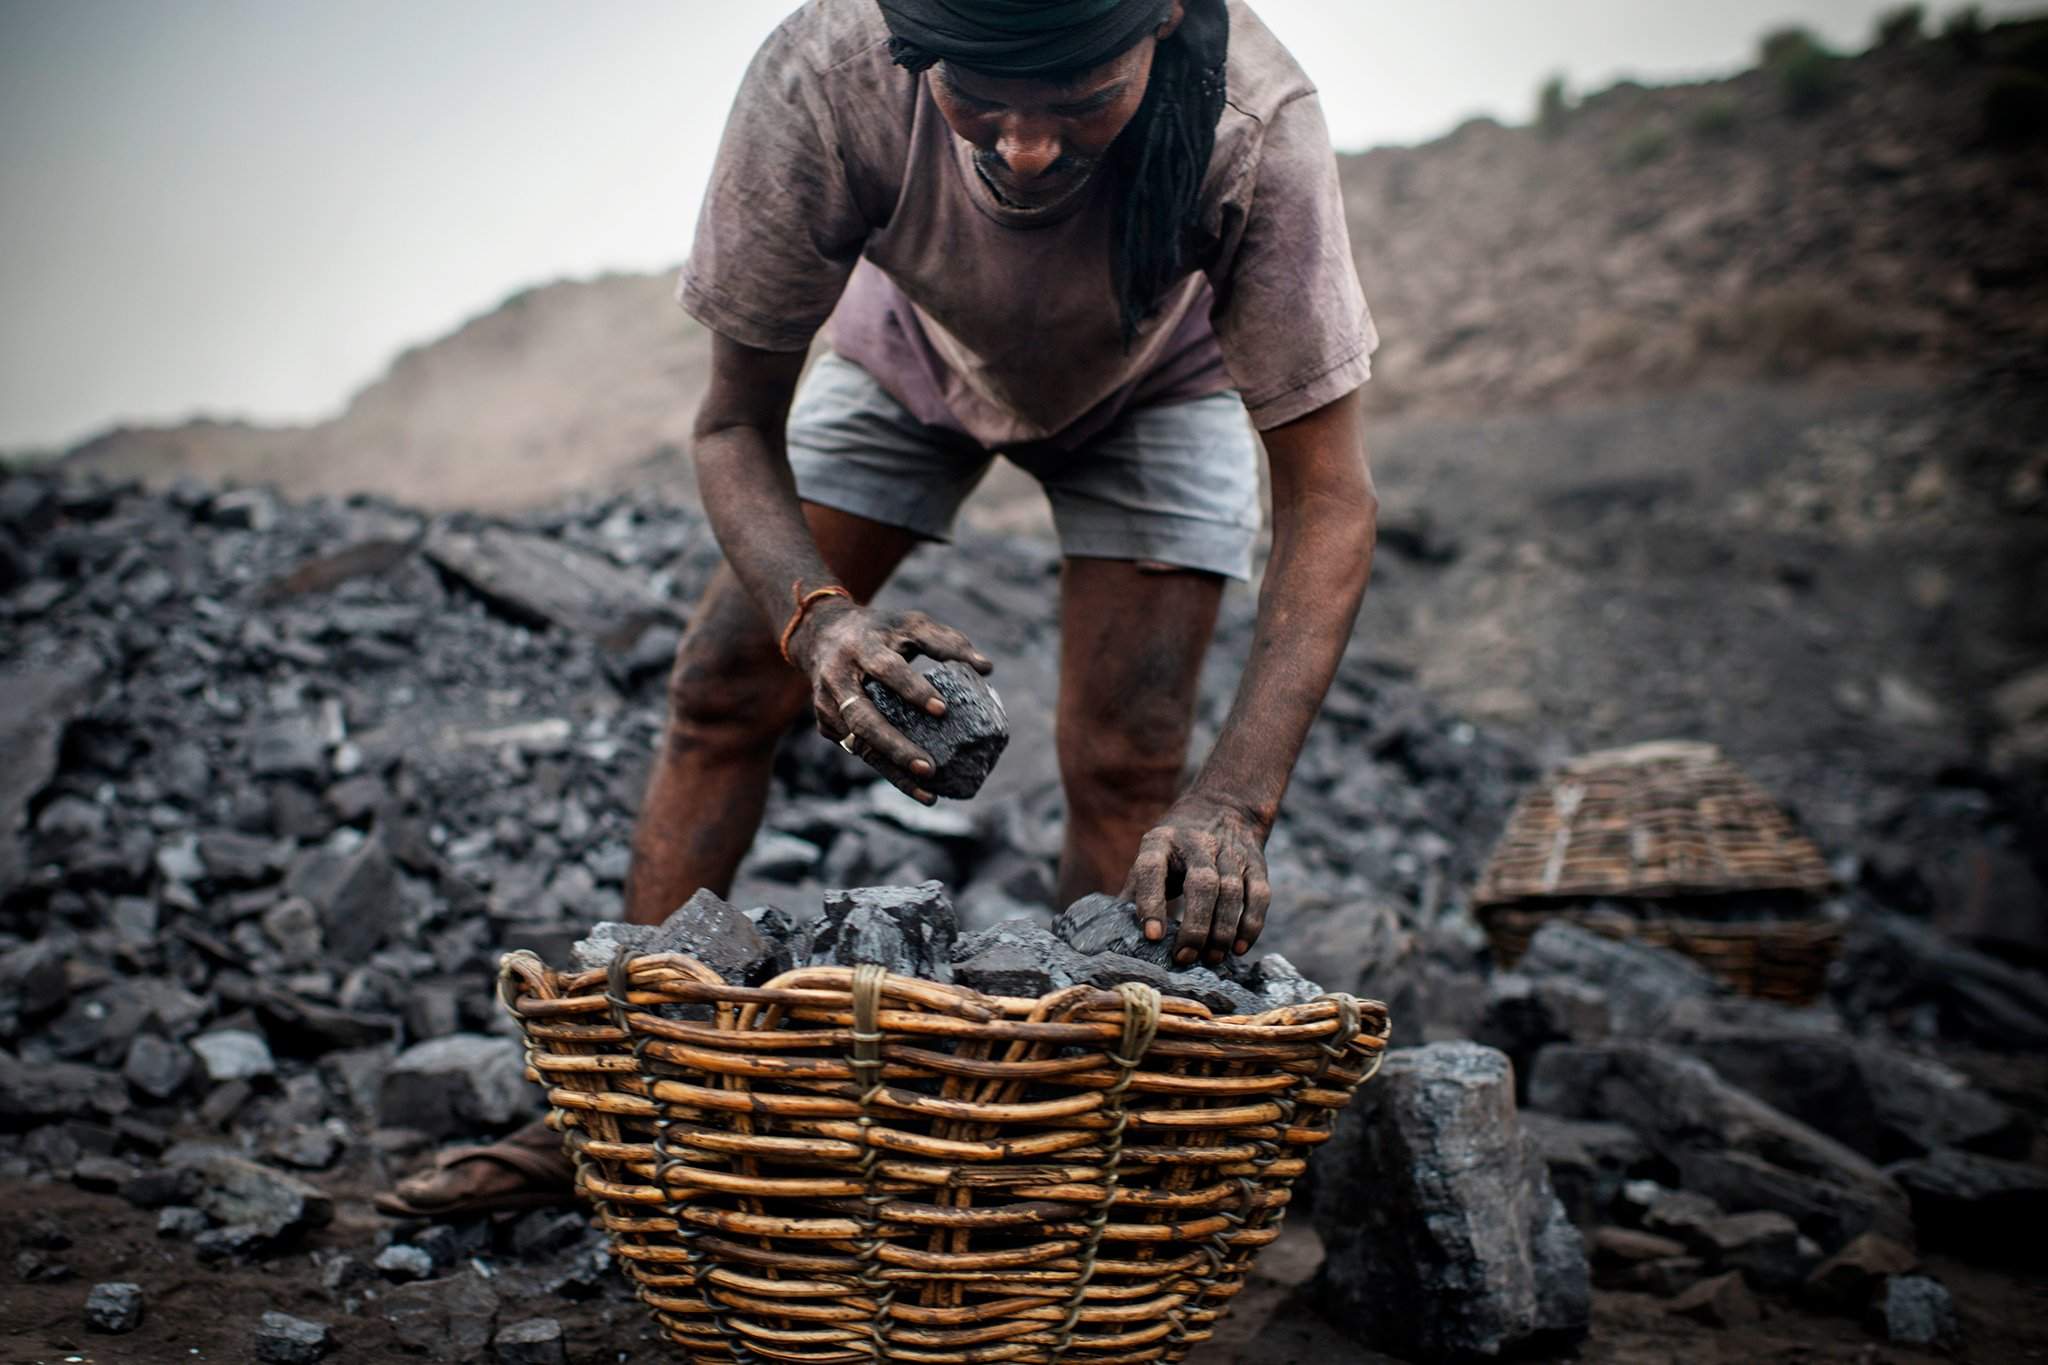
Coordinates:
x,y
1177,484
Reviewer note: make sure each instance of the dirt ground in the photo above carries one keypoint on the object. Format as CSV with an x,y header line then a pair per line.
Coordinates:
x,y
200,1314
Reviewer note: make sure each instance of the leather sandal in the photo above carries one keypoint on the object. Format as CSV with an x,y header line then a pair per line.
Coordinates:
x,y
550,1179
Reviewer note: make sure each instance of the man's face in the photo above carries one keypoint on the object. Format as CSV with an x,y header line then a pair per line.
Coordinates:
x,y
1037,143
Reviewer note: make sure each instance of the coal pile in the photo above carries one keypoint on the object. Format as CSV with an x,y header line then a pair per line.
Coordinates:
x,y
279,783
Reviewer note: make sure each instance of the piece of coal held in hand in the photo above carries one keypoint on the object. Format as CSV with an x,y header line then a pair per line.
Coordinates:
x,y
963,744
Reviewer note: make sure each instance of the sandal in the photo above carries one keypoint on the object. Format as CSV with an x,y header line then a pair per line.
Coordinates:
x,y
533,1152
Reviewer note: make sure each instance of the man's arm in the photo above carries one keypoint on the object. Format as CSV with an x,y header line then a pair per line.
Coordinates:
x,y
749,495
1211,845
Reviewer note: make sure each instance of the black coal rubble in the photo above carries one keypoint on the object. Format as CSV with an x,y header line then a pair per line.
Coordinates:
x,y
965,742
1443,1239
272,770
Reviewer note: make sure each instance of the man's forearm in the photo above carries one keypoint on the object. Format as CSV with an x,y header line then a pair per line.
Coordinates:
x,y
1324,514
749,497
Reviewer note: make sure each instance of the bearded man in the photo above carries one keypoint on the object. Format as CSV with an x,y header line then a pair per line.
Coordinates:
x,y
1090,235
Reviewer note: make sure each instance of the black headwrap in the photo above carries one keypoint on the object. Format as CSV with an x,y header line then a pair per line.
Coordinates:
x,y
1164,153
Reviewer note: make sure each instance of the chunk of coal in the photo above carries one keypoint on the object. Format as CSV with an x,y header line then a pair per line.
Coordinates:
x,y
1103,924
282,1339
455,1085
1108,970
910,930
1222,996
704,927
536,1341
114,1307
1280,983
1018,957
963,744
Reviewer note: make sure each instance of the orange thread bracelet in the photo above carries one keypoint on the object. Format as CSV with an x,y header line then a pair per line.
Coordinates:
x,y
804,602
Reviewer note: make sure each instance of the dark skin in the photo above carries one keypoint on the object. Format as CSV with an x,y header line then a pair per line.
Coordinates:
x,y
1133,635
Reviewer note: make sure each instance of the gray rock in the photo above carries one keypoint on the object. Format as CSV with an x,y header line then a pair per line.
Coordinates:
x,y
457,1085
1725,1143
536,1341
1443,1240
1588,1161
449,1318
400,1263
542,580
240,1193
782,857
1224,998
1978,1207
114,1307
1723,1301
70,820
1280,983
356,892
293,926
1852,1277
157,1067
232,858
720,937
285,1340
1868,1096
1109,970
292,747
234,1055
1893,965
1918,1311
1523,1014
595,953
1018,957
180,1221
1641,985
963,744
38,701
1766,1247
1104,924
910,930
31,1096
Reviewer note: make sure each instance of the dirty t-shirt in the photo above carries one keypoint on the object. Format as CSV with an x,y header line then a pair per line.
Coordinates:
x,y
839,186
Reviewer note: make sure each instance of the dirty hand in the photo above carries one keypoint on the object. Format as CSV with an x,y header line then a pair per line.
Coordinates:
x,y
1213,855
840,646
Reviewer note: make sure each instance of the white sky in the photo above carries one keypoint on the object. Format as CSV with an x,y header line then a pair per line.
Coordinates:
x,y
246,207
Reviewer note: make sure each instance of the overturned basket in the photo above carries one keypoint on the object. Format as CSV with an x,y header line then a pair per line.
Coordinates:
x,y
848,1165
1669,844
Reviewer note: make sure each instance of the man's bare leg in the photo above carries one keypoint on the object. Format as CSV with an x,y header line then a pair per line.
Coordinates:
x,y
731,699
1132,638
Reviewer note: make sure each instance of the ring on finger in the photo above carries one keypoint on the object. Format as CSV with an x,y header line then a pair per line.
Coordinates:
x,y
848,702
847,742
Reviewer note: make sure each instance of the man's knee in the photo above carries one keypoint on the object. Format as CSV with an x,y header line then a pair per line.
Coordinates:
x,y
725,694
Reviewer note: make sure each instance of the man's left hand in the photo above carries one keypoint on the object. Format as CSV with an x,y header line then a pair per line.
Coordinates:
x,y
1212,854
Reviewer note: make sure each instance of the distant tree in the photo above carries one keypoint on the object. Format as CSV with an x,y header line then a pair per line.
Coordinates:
x,y
1963,31
1553,106
1807,74
1898,27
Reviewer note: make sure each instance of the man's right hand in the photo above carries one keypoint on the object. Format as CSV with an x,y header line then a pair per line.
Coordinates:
x,y
840,645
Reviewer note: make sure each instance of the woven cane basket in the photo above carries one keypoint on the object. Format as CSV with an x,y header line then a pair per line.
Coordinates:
x,y
1676,829
846,1165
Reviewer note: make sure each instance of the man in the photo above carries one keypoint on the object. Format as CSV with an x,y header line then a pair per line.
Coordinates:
x,y
1089,234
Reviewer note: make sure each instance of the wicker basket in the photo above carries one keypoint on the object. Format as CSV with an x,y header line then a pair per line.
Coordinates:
x,y
1782,960
1706,860
846,1165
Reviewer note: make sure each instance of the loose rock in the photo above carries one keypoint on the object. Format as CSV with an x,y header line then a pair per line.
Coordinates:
x,y
285,1340
1443,1239
910,930
1919,1311
963,744
115,1307
459,1085
536,1341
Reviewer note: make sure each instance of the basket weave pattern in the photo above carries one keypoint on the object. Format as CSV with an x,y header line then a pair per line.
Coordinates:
x,y
846,1165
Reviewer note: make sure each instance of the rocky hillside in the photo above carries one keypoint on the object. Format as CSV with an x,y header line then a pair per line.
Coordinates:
x,y
1884,213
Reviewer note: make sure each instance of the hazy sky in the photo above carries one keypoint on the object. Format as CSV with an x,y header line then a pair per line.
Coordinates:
x,y
245,207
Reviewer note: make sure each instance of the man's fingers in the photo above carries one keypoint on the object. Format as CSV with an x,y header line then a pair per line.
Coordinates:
x,y
1223,930
886,740
894,672
1198,886
943,642
1147,884
1258,895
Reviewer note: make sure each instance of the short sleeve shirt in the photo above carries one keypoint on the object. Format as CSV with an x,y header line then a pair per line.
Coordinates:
x,y
840,194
